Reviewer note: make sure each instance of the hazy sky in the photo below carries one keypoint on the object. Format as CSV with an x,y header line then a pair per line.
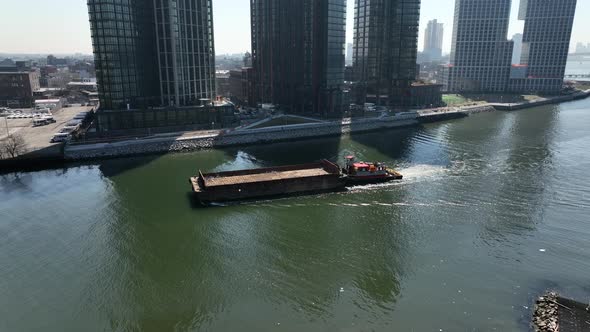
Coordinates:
x,y
61,26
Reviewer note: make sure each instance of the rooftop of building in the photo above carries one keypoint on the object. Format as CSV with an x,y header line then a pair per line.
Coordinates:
x,y
418,84
222,73
41,90
215,103
82,83
15,72
47,101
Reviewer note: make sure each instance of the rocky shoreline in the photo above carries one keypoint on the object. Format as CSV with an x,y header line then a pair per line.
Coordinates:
x,y
235,138
546,317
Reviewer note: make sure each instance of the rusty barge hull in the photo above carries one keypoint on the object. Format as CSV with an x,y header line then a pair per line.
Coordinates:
x,y
303,179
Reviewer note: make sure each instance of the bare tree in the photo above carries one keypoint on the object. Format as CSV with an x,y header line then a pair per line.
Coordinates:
x,y
13,146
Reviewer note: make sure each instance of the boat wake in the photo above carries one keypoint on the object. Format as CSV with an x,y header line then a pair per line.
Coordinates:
x,y
412,174
423,172
436,204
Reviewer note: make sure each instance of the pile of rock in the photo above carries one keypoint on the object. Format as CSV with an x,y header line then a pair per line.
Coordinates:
x,y
545,317
478,109
191,145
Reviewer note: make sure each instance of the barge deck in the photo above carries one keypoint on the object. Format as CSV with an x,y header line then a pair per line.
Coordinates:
x,y
214,181
324,176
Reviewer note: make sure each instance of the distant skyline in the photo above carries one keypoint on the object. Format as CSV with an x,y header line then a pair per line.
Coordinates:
x,y
61,26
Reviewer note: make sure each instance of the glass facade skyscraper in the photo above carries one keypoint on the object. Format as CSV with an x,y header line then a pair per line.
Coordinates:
x,y
385,50
123,39
481,53
545,44
433,40
153,52
298,53
185,51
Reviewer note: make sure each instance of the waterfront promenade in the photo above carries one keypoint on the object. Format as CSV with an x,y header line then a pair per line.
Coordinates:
x,y
245,136
191,141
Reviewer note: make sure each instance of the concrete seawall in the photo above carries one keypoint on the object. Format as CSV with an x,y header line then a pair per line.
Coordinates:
x,y
541,102
171,143
236,138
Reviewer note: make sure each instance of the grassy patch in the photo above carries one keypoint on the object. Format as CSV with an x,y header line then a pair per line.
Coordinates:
x,y
471,99
531,97
455,100
580,85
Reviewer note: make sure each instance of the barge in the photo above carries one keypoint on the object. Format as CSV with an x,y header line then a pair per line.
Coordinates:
x,y
324,176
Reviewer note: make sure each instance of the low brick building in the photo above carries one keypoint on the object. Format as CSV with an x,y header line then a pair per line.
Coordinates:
x,y
16,88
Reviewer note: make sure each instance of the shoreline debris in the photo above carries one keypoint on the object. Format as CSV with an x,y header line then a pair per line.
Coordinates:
x,y
545,317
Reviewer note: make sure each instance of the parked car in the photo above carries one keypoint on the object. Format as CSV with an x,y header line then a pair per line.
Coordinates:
x,y
38,122
81,116
61,137
68,129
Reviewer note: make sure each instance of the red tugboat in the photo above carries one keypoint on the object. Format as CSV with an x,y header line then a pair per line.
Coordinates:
x,y
360,173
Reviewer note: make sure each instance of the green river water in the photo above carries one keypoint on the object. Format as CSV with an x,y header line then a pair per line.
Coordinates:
x,y
494,210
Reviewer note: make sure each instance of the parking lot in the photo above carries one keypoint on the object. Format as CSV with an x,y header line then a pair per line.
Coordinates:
x,y
38,138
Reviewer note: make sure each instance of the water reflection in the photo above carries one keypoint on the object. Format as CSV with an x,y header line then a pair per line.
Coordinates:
x,y
206,261
116,246
163,269
517,203
16,182
290,153
394,144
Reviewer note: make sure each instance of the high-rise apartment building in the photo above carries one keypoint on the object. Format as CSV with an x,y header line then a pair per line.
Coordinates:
x,y
385,50
186,53
349,51
546,41
152,53
298,53
433,40
517,51
481,53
